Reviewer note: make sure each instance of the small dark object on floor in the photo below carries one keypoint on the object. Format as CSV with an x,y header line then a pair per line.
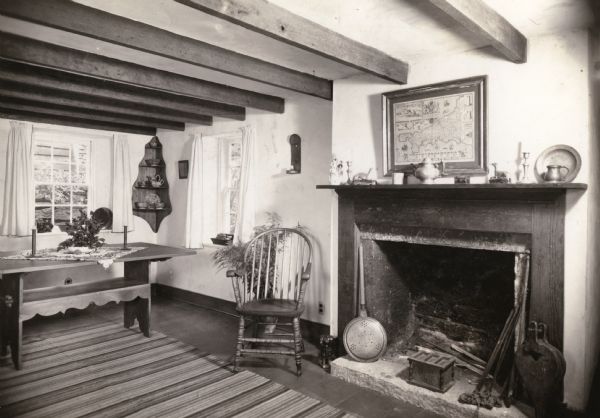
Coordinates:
x,y
433,370
327,351
480,399
222,239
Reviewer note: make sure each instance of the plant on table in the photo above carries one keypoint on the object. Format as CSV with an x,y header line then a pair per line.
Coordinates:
x,y
83,232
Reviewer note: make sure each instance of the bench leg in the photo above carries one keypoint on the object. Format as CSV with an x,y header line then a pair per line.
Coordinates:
x,y
139,309
11,326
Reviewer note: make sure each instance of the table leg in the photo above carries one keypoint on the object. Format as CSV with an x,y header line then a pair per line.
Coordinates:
x,y
12,326
140,307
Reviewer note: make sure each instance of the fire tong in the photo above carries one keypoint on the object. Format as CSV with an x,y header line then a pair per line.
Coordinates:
x,y
482,395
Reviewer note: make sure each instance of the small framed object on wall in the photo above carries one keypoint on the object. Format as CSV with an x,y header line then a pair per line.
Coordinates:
x,y
184,166
445,121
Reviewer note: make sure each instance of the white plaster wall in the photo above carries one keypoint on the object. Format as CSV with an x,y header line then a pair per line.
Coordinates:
x,y
102,180
293,197
541,103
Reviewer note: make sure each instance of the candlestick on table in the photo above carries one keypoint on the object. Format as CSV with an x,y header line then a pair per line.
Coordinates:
x,y
125,238
33,241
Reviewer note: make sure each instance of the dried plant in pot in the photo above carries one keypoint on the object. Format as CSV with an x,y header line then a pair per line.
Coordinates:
x,y
83,235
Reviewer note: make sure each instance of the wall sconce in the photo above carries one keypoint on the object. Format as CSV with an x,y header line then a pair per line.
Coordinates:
x,y
296,151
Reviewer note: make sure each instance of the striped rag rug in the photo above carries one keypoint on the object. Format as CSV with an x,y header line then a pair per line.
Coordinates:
x,y
106,370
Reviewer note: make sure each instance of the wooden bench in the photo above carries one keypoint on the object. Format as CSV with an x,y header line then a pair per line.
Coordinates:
x,y
18,305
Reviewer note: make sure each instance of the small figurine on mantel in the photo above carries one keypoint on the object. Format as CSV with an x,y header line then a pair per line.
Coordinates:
x,y
499,176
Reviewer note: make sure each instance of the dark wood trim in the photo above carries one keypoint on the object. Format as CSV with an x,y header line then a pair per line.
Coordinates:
x,y
21,49
67,84
280,24
97,24
85,114
8,113
501,210
485,22
311,331
51,97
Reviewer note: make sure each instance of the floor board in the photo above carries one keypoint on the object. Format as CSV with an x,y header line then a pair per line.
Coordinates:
x,y
215,333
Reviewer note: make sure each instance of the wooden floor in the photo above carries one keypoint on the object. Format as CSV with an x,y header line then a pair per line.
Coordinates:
x,y
215,333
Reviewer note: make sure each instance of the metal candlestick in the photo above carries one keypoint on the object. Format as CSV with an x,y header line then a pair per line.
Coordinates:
x,y
525,164
33,242
125,238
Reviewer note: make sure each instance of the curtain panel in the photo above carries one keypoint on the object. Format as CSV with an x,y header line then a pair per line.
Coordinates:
x,y
122,184
194,213
18,216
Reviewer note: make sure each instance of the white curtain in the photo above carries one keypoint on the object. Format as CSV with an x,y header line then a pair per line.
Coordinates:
x,y
19,199
194,216
122,184
245,220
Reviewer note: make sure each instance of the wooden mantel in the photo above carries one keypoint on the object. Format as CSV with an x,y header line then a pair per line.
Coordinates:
x,y
529,213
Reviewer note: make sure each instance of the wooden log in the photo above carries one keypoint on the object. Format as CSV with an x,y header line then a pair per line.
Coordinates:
x,y
73,112
7,113
483,21
49,97
21,49
66,84
88,21
278,23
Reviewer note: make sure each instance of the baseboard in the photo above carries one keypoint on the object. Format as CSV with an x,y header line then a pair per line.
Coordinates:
x,y
311,331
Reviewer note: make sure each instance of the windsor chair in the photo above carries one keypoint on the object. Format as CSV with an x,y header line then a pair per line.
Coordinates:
x,y
269,290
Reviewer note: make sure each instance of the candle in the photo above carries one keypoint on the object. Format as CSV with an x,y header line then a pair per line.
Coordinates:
x,y
33,241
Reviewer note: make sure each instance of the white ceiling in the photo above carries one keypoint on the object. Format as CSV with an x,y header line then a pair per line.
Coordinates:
x,y
406,29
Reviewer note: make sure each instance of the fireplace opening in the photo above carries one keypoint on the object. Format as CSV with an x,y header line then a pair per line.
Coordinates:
x,y
438,297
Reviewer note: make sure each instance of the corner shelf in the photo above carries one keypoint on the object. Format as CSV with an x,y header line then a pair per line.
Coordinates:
x,y
154,217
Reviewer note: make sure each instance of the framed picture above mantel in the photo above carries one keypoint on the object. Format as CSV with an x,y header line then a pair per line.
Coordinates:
x,y
444,122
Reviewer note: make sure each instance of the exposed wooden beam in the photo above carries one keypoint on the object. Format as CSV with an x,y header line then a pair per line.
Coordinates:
x,y
49,97
21,49
130,99
85,114
76,18
278,23
483,21
66,121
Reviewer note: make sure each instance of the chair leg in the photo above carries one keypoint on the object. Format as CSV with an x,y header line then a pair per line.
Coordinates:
x,y
298,346
238,351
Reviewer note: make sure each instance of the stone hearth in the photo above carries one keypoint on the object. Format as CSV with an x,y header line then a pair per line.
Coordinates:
x,y
389,378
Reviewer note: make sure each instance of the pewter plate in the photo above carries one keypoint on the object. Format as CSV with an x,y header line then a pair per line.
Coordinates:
x,y
558,155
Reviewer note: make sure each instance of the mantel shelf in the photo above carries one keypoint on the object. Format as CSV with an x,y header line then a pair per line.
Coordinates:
x,y
484,186
506,192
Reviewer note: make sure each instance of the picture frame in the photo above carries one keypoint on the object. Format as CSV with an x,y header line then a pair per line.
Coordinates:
x,y
184,166
443,121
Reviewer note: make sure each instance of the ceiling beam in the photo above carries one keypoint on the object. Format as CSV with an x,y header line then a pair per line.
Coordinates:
x,y
7,113
86,114
485,22
171,106
51,97
26,50
88,21
280,24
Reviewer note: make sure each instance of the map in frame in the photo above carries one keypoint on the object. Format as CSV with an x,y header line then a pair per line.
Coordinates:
x,y
441,128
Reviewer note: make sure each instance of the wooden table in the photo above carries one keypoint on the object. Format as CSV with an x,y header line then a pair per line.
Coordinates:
x,y
18,305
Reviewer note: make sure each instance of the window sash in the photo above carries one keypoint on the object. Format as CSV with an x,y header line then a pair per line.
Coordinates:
x,y
56,139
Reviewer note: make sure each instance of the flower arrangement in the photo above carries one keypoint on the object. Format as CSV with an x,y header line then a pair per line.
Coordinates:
x,y
83,232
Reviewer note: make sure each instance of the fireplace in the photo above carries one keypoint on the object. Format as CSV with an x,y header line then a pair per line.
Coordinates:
x,y
426,245
437,296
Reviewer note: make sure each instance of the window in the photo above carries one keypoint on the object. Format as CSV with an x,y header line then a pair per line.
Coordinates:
x,y
61,175
230,156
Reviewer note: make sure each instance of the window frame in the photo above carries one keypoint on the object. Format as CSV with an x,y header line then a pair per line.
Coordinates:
x,y
55,137
224,191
